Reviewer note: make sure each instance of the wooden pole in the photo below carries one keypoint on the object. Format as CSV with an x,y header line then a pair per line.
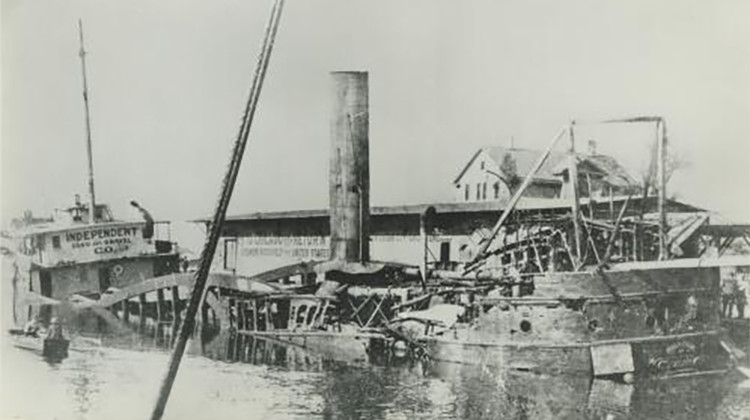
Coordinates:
x,y
241,317
255,314
423,239
175,304
125,311
662,179
269,321
92,196
233,314
175,313
141,311
616,230
575,204
159,305
209,249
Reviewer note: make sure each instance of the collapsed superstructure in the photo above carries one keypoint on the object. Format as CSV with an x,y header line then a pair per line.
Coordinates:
x,y
613,287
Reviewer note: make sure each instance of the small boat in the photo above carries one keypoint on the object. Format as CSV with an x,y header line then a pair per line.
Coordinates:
x,y
52,349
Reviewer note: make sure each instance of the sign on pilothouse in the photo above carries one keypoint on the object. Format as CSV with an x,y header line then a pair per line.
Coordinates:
x,y
102,242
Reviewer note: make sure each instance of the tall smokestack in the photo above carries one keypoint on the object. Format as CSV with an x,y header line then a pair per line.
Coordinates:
x,y
349,178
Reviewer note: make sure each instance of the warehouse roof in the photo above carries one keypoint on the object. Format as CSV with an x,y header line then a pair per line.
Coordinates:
x,y
526,203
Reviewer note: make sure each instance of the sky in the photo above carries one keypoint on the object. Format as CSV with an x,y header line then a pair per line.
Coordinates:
x,y
168,81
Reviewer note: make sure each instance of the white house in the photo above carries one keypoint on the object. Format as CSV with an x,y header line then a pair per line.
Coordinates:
x,y
494,172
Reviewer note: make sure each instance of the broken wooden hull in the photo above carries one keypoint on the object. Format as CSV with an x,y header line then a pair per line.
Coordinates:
x,y
348,347
668,356
654,321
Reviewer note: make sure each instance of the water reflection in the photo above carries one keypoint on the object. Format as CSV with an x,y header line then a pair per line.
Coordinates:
x,y
227,376
391,388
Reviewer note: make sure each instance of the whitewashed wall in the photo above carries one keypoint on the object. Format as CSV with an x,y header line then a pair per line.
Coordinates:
x,y
477,174
257,254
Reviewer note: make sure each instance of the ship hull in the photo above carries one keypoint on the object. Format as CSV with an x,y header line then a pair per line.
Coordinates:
x,y
656,321
666,356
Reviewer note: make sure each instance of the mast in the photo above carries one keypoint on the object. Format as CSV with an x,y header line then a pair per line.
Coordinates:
x,y
92,196
661,146
575,204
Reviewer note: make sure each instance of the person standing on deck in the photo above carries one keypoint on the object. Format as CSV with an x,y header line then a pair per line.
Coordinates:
x,y
728,287
740,300
55,330
148,230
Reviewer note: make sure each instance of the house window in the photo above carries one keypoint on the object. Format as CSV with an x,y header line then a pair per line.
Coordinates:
x,y
484,191
56,242
482,165
496,187
466,192
479,191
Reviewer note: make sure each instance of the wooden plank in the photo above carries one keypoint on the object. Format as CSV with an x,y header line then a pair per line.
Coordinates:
x,y
241,321
159,304
175,304
608,359
141,310
126,311
355,314
232,315
269,320
255,314
322,315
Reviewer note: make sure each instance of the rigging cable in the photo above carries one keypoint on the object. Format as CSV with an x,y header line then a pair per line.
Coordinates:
x,y
199,288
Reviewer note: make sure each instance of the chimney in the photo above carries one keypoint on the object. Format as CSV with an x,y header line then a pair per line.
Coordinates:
x,y
349,171
592,148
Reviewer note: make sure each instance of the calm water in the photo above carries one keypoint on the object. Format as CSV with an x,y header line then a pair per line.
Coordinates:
x,y
288,383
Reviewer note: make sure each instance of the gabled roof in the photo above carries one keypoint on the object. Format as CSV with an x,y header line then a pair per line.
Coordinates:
x,y
466,167
523,158
526,158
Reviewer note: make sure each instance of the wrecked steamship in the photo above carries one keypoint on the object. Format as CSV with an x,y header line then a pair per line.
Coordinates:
x,y
69,261
609,286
